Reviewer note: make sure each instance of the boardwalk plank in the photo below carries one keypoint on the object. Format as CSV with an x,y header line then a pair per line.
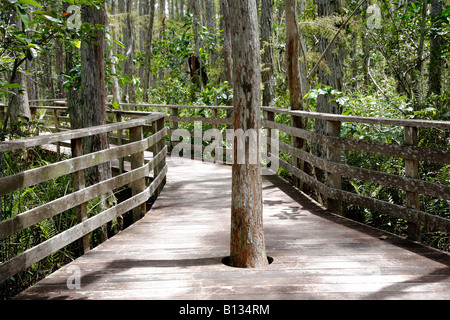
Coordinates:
x,y
175,251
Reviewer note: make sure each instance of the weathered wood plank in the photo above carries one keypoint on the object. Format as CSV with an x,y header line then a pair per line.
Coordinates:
x,y
176,253
418,123
44,249
74,134
137,161
31,217
334,155
175,106
385,149
201,119
404,183
413,215
34,176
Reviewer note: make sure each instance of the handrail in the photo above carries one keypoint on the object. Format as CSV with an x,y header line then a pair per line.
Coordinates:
x,y
142,189
418,123
75,134
331,164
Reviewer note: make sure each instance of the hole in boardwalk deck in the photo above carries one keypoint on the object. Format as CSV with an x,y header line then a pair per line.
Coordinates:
x,y
226,261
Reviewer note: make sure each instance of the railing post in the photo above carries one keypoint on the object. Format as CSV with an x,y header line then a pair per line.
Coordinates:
x,y
120,140
269,116
173,124
156,148
334,154
214,116
412,171
58,144
137,161
79,184
297,122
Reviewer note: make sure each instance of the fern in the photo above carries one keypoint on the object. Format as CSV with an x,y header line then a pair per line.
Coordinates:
x,y
48,229
443,176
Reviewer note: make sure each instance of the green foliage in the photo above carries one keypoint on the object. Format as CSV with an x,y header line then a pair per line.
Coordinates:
x,y
17,202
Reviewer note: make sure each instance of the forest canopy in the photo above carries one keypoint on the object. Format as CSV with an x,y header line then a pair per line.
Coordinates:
x,y
392,53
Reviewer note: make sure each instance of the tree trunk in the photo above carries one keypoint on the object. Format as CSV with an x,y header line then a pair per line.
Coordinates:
x,y
210,22
73,95
247,246
93,88
331,77
227,57
128,65
59,66
365,47
293,74
196,25
93,95
18,105
115,87
162,31
436,61
267,56
148,51
180,9
417,74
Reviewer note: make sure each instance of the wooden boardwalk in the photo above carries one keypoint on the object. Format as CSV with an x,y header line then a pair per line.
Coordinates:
x,y
175,251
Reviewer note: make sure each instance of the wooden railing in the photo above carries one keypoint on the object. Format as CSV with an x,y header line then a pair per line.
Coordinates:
x,y
146,179
333,143
332,163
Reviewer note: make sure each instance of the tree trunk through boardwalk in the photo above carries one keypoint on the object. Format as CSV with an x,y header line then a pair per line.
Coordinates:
x,y
93,88
93,96
247,247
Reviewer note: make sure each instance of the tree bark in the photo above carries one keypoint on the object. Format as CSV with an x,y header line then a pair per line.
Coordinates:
x,y
162,16
93,88
180,5
18,105
268,79
436,61
247,246
115,87
148,51
293,74
59,65
196,25
93,95
332,76
210,22
128,65
419,69
227,57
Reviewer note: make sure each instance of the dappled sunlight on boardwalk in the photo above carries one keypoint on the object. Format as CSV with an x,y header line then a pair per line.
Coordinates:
x,y
175,251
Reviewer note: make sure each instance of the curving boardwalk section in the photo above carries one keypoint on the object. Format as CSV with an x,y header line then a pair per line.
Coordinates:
x,y
175,251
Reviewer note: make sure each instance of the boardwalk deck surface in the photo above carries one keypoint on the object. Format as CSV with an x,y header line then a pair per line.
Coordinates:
x,y
175,251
